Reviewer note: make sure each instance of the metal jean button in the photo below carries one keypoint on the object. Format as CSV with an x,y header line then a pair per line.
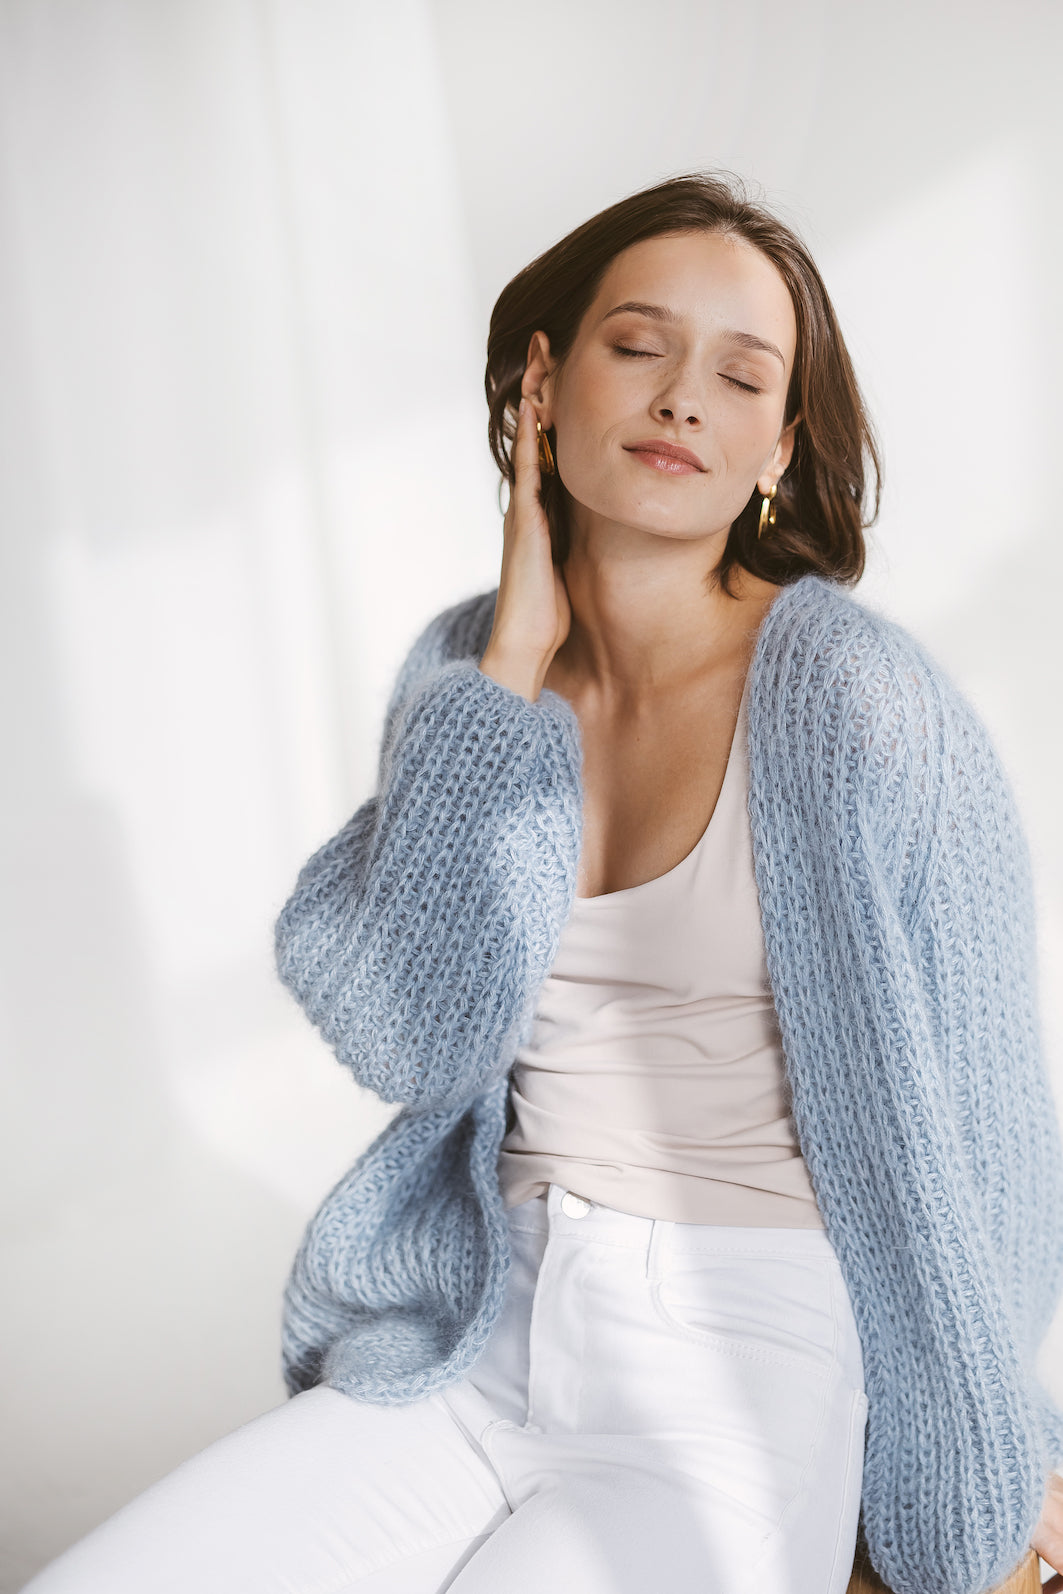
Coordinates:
x,y
574,1206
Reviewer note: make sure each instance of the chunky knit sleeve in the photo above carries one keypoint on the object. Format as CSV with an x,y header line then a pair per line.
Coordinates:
x,y
417,937
901,945
972,927
940,828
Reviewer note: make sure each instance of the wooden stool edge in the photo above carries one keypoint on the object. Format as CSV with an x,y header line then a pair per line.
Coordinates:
x,y
1026,1578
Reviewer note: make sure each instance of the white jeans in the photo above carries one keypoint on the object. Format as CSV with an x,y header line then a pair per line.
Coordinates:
x,y
662,1406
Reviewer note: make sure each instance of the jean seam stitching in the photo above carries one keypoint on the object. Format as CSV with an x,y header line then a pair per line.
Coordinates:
x,y
396,1560
711,1341
802,1488
856,1402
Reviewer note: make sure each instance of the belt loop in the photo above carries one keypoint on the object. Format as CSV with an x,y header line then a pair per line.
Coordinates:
x,y
657,1250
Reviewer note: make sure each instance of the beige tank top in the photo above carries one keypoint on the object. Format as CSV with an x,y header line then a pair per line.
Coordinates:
x,y
653,1079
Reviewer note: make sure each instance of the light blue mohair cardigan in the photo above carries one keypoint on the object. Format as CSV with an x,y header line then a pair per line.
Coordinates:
x,y
897,907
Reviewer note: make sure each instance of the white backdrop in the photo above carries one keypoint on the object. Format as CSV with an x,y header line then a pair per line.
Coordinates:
x,y
248,251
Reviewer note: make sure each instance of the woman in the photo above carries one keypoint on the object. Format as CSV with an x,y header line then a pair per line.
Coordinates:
x,y
691,927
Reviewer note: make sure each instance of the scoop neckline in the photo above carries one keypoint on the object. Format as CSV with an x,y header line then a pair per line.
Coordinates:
x,y
644,885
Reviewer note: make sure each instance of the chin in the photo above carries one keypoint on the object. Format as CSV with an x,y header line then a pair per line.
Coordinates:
x,y
662,525
656,521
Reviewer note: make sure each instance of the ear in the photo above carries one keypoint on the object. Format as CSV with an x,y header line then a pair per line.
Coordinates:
x,y
781,457
535,384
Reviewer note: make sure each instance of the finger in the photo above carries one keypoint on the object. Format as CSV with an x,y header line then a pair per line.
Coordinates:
x,y
526,452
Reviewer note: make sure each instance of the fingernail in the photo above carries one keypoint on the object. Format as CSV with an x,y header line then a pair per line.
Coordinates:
x,y
523,405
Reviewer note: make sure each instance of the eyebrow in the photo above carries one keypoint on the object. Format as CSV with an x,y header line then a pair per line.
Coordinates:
x,y
660,312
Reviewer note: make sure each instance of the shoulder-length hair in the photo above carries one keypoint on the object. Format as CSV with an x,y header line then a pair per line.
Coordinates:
x,y
834,477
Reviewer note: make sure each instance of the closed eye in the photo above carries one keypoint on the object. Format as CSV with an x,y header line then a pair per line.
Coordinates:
x,y
650,354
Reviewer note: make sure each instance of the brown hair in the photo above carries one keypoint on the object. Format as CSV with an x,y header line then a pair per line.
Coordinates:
x,y
820,505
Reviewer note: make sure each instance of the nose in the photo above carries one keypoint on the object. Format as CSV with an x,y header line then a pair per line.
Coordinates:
x,y
680,400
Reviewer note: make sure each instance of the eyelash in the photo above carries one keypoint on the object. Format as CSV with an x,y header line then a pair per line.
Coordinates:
x,y
647,354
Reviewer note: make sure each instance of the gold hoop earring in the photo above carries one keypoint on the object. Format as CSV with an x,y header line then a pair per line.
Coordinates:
x,y
546,457
767,510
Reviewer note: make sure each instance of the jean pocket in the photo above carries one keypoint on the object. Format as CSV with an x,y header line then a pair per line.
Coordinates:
x,y
775,1309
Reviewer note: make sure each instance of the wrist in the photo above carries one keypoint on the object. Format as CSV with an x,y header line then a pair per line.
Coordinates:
x,y
518,673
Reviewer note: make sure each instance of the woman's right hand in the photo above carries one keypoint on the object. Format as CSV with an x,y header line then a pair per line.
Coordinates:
x,y
532,609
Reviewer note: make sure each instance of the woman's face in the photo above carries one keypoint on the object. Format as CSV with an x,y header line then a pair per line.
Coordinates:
x,y
704,363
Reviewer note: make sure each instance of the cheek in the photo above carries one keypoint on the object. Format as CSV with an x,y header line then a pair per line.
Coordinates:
x,y
586,429
747,440
587,408
583,467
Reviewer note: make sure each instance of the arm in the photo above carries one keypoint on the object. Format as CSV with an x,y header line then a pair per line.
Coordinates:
x,y
900,952
944,828
971,886
981,888
417,938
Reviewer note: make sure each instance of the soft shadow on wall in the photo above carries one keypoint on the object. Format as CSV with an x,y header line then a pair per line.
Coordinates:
x,y
245,461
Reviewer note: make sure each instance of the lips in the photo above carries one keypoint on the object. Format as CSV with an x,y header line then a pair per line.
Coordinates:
x,y
670,456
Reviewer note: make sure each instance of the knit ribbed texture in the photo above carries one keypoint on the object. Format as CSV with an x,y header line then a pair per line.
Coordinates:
x,y
897,907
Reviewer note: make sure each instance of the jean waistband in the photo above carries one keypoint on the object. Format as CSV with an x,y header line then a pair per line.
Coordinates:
x,y
591,1220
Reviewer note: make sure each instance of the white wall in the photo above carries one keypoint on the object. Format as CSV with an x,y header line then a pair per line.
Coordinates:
x,y
249,251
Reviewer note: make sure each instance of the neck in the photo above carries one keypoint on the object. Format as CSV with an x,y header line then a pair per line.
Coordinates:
x,y
648,617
